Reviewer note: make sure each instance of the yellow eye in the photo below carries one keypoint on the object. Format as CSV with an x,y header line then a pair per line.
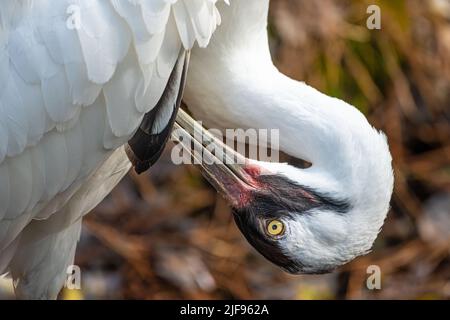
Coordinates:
x,y
275,228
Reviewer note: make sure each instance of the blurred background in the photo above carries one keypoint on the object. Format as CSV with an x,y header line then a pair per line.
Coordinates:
x,y
167,235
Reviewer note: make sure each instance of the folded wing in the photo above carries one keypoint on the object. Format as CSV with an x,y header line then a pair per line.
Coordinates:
x,y
76,81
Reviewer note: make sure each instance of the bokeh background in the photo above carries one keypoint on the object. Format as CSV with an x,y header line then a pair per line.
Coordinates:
x,y
167,235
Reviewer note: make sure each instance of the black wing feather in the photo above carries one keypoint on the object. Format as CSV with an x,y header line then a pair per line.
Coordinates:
x,y
146,146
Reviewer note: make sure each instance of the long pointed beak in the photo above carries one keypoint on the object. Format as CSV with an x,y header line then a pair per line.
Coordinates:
x,y
223,167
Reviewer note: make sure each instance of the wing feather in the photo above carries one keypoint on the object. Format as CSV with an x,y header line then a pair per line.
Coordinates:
x,y
20,182
184,24
38,176
120,92
69,96
5,190
14,116
169,51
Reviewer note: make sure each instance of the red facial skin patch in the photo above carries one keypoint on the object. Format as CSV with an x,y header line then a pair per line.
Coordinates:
x,y
253,170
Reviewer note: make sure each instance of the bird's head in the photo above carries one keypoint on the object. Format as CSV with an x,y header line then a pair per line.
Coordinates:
x,y
314,219
298,227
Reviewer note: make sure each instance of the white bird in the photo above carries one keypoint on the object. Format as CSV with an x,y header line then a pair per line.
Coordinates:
x,y
86,85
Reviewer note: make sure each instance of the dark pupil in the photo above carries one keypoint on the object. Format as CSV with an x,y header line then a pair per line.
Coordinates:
x,y
274,227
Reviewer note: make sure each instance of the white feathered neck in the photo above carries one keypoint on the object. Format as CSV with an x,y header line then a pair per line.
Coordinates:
x,y
351,160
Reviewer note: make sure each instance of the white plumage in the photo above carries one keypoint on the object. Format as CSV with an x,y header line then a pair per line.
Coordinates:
x,y
71,98
68,98
234,84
